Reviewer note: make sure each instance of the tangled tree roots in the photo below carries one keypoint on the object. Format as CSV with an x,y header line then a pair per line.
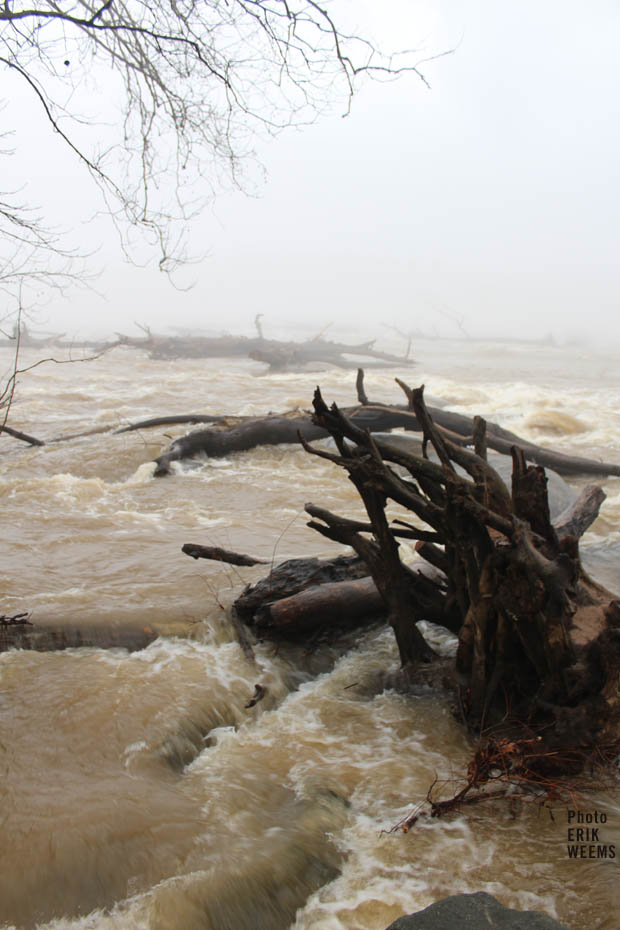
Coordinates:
x,y
517,769
539,641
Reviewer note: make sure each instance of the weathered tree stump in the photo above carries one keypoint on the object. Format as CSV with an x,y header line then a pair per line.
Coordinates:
x,y
539,641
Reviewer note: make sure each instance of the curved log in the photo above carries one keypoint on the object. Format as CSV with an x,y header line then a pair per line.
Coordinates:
x,y
272,430
267,431
255,432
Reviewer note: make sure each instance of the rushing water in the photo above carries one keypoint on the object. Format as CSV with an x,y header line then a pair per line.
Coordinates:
x,y
137,789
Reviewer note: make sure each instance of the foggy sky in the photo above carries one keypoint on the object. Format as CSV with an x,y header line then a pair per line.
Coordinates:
x,y
493,197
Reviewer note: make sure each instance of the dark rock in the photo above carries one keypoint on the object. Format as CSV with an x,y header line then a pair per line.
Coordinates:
x,y
478,911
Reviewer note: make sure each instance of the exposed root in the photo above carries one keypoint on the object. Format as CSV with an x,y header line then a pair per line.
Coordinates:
x,y
524,769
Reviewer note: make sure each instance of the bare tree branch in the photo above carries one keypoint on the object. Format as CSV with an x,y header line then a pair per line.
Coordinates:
x,y
197,82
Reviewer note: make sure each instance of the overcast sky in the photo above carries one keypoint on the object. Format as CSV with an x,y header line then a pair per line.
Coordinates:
x,y
493,197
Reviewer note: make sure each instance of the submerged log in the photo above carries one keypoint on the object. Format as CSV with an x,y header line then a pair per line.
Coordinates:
x,y
250,432
292,577
52,638
502,440
335,605
24,437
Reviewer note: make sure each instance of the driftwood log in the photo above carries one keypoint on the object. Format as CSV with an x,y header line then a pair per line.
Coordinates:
x,y
278,355
294,576
273,430
331,605
216,554
55,637
302,596
249,432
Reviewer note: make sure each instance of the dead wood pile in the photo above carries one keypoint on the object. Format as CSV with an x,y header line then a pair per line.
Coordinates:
x,y
538,658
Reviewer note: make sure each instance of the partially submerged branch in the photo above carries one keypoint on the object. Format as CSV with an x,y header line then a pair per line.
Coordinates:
x,y
214,553
454,429
17,434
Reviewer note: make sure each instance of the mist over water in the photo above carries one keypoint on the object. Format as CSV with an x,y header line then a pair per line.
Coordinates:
x,y
138,790
485,204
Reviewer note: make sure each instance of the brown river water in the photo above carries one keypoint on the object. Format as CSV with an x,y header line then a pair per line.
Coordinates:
x,y
137,790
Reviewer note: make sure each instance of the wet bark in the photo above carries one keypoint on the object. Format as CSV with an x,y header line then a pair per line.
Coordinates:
x,y
24,437
251,432
216,443
336,606
292,577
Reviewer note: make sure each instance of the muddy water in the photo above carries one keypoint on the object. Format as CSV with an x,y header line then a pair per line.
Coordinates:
x,y
137,790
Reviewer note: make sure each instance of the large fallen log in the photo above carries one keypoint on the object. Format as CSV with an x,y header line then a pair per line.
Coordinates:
x,y
277,354
250,432
293,356
502,440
